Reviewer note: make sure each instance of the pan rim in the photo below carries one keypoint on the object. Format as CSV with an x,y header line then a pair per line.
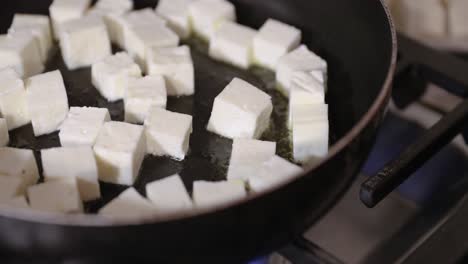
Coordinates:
x,y
101,221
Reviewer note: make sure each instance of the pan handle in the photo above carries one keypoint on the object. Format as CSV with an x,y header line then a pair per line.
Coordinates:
x,y
377,187
449,73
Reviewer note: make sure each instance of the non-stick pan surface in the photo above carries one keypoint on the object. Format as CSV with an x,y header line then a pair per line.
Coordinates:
x,y
357,40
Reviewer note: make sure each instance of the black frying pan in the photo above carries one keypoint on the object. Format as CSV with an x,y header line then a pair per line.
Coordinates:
x,y
359,43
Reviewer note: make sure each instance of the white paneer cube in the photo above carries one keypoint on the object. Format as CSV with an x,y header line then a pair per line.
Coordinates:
x,y
19,163
114,6
143,94
37,25
211,195
19,202
312,82
176,65
118,25
111,75
142,38
458,21
233,43
82,126
10,187
169,196
320,76
301,101
115,24
176,13
83,42
120,149
4,136
273,41
143,17
208,15
13,105
20,51
300,59
303,113
310,140
62,11
168,133
129,205
100,14
421,18
241,111
56,197
274,172
247,155
73,163
47,102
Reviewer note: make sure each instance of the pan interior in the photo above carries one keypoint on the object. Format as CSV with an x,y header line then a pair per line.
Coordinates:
x,y
209,154
351,86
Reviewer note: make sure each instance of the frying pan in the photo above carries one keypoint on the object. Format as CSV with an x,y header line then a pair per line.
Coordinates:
x,y
357,39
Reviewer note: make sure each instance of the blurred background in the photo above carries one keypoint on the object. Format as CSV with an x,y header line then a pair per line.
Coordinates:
x,y
439,23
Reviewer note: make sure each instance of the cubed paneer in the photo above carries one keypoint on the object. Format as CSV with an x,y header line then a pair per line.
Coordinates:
x,y
18,202
241,111
82,126
118,25
312,82
169,196
247,155
47,102
129,205
421,18
310,140
100,14
73,163
37,25
62,11
301,101
273,41
233,43
320,76
208,15
111,75
303,113
56,197
143,94
176,65
114,6
458,20
19,163
273,173
168,133
142,38
21,52
13,105
84,41
115,25
10,187
120,149
4,137
143,17
300,59
176,13
210,195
